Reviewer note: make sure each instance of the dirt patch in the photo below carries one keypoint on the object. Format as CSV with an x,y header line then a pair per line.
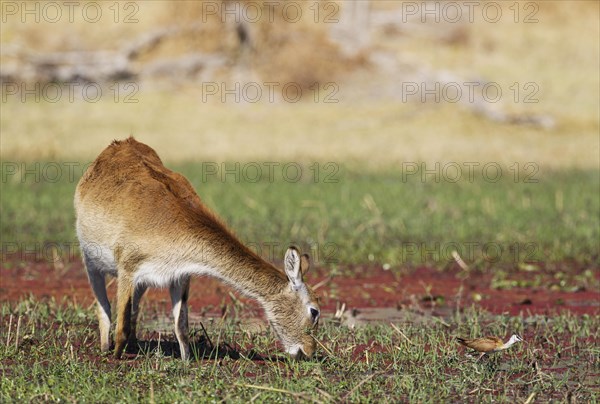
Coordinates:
x,y
432,290
422,289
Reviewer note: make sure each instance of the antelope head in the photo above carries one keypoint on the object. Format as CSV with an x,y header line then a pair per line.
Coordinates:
x,y
294,312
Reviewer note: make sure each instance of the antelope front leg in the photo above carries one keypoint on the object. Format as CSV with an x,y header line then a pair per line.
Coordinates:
x,y
179,296
124,299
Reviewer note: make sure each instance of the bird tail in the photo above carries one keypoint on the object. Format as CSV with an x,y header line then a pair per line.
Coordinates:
x,y
461,341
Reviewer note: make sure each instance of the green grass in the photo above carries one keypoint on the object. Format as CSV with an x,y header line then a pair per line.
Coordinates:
x,y
361,217
57,358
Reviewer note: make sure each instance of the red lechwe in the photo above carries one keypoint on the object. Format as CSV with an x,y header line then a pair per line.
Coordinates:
x,y
145,224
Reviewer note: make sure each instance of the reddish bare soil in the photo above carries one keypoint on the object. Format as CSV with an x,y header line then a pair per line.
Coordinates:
x,y
368,287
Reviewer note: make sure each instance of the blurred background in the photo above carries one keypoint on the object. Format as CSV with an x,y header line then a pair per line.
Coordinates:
x,y
372,94
363,69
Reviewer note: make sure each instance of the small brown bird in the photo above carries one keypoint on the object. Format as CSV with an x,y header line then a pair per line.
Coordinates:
x,y
488,345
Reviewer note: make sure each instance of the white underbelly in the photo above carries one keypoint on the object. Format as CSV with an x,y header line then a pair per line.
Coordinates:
x,y
161,275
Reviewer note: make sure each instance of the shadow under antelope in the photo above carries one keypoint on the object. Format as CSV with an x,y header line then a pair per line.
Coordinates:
x,y
143,223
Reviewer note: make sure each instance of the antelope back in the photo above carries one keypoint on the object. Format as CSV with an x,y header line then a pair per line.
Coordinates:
x,y
130,207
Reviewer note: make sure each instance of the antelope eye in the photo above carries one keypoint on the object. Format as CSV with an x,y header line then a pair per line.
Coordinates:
x,y
315,314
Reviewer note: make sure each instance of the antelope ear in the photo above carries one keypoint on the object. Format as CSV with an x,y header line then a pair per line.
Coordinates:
x,y
304,264
292,267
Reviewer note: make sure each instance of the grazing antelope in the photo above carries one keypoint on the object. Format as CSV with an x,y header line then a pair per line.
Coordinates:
x,y
145,224
488,345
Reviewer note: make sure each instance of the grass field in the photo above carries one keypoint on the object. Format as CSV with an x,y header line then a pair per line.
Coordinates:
x,y
52,356
344,216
